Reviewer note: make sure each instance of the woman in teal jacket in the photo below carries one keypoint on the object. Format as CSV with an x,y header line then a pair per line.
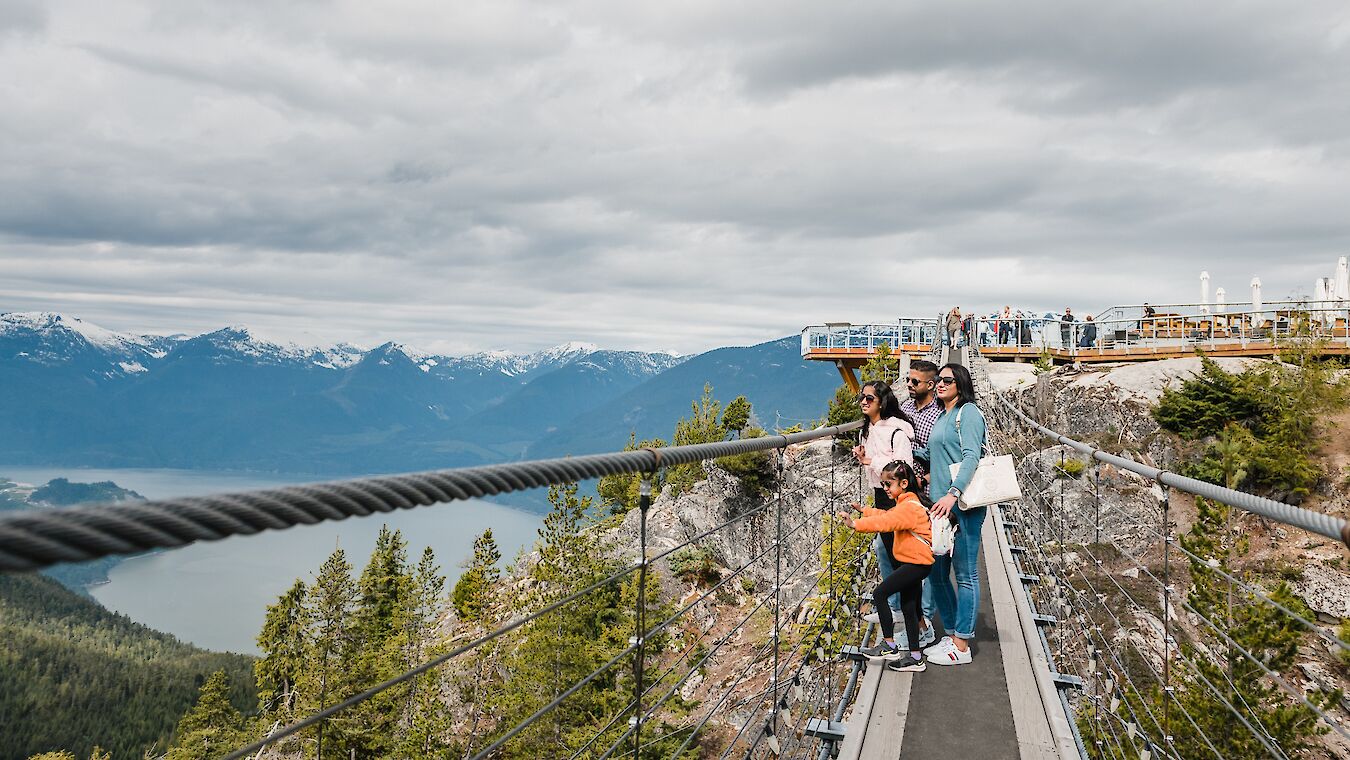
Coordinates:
x,y
957,437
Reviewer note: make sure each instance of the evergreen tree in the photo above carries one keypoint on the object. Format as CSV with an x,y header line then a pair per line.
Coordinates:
x,y
883,365
282,642
702,426
212,727
619,493
564,646
843,410
332,650
474,589
737,415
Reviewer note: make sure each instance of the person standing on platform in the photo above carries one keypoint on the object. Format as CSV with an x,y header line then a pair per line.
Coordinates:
x,y
1005,326
1066,328
953,326
957,438
1023,329
1089,338
886,436
911,533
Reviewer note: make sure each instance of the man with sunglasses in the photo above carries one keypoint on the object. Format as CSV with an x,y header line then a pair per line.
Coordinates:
x,y
922,406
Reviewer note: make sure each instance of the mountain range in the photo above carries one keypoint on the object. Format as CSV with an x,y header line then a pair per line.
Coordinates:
x,y
75,394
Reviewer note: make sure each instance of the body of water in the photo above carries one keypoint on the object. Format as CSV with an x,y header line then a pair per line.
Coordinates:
x,y
215,593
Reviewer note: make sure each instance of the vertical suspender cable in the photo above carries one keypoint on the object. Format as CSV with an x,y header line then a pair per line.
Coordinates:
x,y
640,619
1167,618
777,599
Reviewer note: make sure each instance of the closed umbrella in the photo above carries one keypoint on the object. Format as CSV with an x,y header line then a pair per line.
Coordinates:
x,y
1220,300
1257,316
1320,297
1342,280
1204,292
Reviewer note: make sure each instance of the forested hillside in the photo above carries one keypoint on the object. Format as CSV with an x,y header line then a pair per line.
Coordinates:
x,y
75,675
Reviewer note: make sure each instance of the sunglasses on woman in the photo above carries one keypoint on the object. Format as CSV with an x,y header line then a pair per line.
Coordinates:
x,y
866,398
945,379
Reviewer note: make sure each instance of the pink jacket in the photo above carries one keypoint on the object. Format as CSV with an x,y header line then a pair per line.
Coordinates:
x,y
889,439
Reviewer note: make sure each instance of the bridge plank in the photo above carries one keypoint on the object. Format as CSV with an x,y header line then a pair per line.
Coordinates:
x,y
1035,738
886,725
860,717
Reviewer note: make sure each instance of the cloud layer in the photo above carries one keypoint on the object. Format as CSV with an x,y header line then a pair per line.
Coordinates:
x,y
509,174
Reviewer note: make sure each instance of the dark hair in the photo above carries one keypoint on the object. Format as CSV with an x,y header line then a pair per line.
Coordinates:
x,y
965,387
900,470
923,365
886,402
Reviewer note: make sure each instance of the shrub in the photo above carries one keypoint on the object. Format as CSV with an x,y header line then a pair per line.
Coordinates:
x,y
755,469
694,565
1070,468
1265,419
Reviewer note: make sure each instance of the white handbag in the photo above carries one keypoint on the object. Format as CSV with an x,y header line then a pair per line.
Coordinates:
x,y
995,479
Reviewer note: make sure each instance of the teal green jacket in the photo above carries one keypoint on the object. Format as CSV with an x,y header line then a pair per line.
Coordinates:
x,y
946,447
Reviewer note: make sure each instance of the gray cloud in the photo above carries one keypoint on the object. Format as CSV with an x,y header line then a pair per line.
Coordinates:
x,y
513,174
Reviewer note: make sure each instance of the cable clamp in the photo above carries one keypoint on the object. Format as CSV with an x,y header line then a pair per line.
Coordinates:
x,y
634,641
655,453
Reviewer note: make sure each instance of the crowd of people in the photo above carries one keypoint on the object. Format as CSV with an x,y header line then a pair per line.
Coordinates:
x,y
919,455
1015,328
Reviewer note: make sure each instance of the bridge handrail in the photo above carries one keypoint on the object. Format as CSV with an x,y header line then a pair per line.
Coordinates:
x,y
34,540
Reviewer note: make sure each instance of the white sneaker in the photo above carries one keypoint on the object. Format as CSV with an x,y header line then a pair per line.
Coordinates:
x,y
943,645
927,635
873,617
950,656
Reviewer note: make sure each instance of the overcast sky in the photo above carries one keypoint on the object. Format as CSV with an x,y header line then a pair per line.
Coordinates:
x,y
499,174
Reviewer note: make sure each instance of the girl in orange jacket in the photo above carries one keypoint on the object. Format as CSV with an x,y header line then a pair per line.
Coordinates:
x,y
911,545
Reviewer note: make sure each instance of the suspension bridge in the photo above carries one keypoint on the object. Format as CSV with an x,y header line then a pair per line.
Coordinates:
x,y
1050,679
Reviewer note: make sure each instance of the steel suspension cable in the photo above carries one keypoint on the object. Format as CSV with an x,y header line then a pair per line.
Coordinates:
x,y
34,540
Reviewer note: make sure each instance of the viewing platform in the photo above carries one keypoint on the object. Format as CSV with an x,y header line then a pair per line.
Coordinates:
x,y
1118,334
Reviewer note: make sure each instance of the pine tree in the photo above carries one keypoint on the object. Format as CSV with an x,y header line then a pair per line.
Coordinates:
x,y
703,426
474,589
211,728
564,646
737,415
283,645
332,651
619,493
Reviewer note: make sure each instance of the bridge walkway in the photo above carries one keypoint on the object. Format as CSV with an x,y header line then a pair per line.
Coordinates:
x,y
990,709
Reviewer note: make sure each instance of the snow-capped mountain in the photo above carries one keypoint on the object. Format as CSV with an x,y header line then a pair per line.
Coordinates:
x,y
232,398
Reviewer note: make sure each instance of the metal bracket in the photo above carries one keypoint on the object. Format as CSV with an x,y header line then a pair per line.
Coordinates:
x,y
852,653
1023,577
828,730
1017,549
1066,681
1044,619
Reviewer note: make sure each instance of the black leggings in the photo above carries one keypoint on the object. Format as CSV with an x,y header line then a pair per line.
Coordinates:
x,y
907,581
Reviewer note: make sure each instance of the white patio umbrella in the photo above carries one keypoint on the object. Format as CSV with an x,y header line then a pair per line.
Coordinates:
x,y
1342,280
1204,292
1220,300
1257,316
1320,297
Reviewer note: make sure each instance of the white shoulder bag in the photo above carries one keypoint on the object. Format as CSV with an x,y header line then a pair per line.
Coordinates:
x,y
995,478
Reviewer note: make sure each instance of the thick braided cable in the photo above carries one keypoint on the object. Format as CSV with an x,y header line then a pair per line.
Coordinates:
x,y
38,539
1315,522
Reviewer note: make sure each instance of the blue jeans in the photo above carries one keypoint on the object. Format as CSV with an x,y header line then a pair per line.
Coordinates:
x,y
886,566
957,606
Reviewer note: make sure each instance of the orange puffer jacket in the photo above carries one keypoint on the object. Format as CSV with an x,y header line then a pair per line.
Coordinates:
x,y
910,524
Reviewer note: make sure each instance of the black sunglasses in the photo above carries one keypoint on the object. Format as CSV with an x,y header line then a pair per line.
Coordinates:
x,y
869,398
945,379
912,381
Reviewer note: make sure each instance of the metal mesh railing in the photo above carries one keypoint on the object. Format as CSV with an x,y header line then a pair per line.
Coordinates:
x,y
1121,619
